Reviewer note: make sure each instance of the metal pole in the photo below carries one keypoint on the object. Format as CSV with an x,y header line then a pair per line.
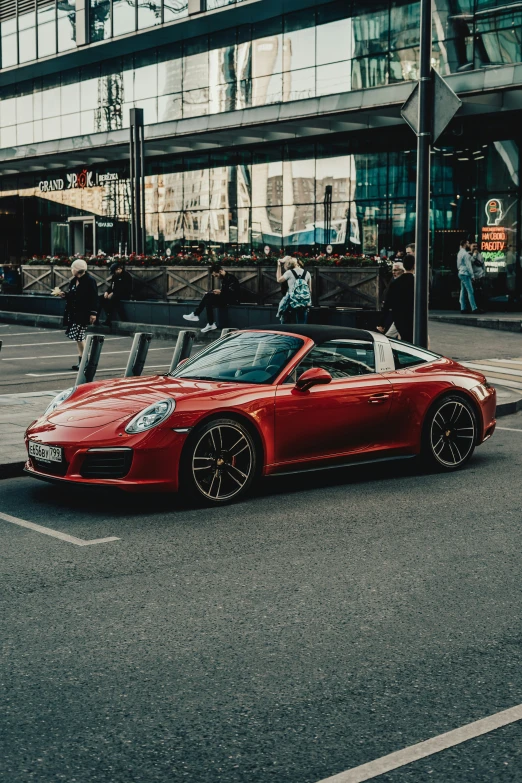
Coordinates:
x,y
90,359
183,348
142,157
422,233
138,354
132,175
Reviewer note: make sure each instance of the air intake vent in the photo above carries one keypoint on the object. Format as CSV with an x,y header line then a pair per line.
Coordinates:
x,y
25,6
106,464
7,10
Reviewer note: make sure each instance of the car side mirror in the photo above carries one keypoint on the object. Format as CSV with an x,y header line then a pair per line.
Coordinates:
x,y
316,376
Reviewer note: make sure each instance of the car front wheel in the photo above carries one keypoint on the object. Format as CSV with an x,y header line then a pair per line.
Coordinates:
x,y
450,433
219,462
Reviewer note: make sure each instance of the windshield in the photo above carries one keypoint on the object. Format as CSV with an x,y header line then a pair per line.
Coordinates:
x,y
245,357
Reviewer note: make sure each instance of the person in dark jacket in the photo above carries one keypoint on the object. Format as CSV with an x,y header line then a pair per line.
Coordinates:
x,y
227,295
81,305
399,301
120,287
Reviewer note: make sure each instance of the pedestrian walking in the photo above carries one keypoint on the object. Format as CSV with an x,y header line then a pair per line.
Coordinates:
x,y
228,294
466,275
388,325
81,305
293,307
400,301
120,288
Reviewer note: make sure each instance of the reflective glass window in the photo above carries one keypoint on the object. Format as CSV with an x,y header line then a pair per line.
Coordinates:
x,y
369,72
70,98
341,359
195,102
87,121
51,99
299,181
27,44
145,78
195,69
71,125
334,41
404,24
9,50
8,27
8,112
149,13
298,85
25,133
66,12
26,20
8,136
222,97
100,20
339,173
174,9
370,30
150,110
24,108
299,41
336,77
124,16
404,65
267,89
46,39
169,71
169,108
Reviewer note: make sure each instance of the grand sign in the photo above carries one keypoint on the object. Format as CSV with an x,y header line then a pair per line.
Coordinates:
x,y
81,179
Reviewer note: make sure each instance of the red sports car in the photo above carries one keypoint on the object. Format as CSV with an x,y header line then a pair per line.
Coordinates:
x,y
265,401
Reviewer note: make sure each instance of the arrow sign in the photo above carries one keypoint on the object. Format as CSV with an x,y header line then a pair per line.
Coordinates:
x,y
444,107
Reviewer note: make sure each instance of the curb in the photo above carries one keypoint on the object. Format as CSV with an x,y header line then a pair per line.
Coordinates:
x,y
16,469
501,324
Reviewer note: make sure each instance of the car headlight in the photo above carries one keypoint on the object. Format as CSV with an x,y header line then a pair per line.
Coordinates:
x,y
58,400
151,416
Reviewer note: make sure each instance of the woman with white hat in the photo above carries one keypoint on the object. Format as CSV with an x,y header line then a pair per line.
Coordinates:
x,y
81,307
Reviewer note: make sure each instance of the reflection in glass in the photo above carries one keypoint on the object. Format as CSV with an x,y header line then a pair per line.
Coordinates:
x,y
51,102
299,181
404,65
100,20
196,226
70,98
370,30
369,72
299,224
196,189
24,108
8,136
222,65
267,56
334,41
169,108
195,103
299,49
298,85
149,13
24,133
222,98
9,50
174,9
267,89
169,72
46,39
124,16
333,78
145,81
195,71
66,11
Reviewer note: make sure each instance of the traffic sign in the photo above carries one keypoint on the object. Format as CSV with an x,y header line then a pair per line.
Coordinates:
x,y
445,104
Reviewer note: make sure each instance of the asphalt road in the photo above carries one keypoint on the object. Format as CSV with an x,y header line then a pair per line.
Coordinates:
x,y
319,625
40,359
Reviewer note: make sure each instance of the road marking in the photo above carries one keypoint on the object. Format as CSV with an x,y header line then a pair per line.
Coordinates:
x,y
55,533
509,429
427,748
496,369
71,356
25,334
55,342
74,372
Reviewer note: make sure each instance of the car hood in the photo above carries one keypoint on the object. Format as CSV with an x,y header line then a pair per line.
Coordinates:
x,y
96,405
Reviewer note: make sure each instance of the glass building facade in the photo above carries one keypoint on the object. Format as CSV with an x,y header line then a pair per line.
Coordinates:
x,y
241,197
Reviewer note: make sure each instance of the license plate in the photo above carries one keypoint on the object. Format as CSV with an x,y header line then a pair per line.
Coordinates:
x,y
45,453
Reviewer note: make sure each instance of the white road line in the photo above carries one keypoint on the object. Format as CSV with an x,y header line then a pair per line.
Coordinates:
x,y
415,752
496,369
71,356
509,429
55,533
73,372
56,342
28,334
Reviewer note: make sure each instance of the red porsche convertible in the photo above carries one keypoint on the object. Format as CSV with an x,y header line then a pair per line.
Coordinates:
x,y
265,401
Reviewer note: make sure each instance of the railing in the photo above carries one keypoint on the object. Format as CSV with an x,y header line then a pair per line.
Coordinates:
x,y
331,286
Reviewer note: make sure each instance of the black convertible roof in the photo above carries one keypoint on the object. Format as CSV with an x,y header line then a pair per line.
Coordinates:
x,y
319,334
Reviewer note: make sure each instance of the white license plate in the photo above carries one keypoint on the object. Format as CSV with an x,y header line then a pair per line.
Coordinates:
x,y
45,453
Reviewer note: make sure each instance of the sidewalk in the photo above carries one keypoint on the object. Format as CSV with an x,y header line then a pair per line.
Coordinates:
x,y
506,322
498,356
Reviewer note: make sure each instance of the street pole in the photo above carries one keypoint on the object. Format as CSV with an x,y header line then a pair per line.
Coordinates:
x,y
422,232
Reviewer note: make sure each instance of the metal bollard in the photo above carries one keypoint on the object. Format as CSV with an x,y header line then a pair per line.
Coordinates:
x,y
228,330
138,354
90,359
182,349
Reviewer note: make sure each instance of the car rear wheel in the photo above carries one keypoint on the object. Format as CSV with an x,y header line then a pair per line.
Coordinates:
x,y
220,462
450,433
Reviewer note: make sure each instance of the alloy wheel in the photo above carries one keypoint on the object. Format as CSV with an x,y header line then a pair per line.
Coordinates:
x,y
452,434
222,462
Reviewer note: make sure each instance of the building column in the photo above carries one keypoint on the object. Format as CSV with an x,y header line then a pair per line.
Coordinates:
x,y
82,22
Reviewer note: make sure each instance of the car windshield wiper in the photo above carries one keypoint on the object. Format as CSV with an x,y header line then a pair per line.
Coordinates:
x,y
196,378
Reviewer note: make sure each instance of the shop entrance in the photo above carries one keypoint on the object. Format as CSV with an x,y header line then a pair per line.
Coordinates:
x,y
82,235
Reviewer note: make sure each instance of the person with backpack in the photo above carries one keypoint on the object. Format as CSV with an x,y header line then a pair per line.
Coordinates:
x,y
294,306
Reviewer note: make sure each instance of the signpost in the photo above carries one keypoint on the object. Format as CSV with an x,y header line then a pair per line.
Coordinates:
x,y
429,109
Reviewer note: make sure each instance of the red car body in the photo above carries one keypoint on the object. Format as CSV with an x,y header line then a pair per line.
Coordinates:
x,y
348,420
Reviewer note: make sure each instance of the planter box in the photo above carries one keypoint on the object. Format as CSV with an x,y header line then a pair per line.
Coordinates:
x,y
331,286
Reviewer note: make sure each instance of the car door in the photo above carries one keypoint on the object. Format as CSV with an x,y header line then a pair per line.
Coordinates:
x,y
343,417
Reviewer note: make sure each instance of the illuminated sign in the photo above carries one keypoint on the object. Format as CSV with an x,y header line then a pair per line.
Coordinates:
x,y
494,211
81,179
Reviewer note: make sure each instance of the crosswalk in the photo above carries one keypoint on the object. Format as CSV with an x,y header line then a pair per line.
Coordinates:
x,y
500,372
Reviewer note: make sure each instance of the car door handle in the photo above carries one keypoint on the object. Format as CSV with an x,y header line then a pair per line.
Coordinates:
x,y
376,399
